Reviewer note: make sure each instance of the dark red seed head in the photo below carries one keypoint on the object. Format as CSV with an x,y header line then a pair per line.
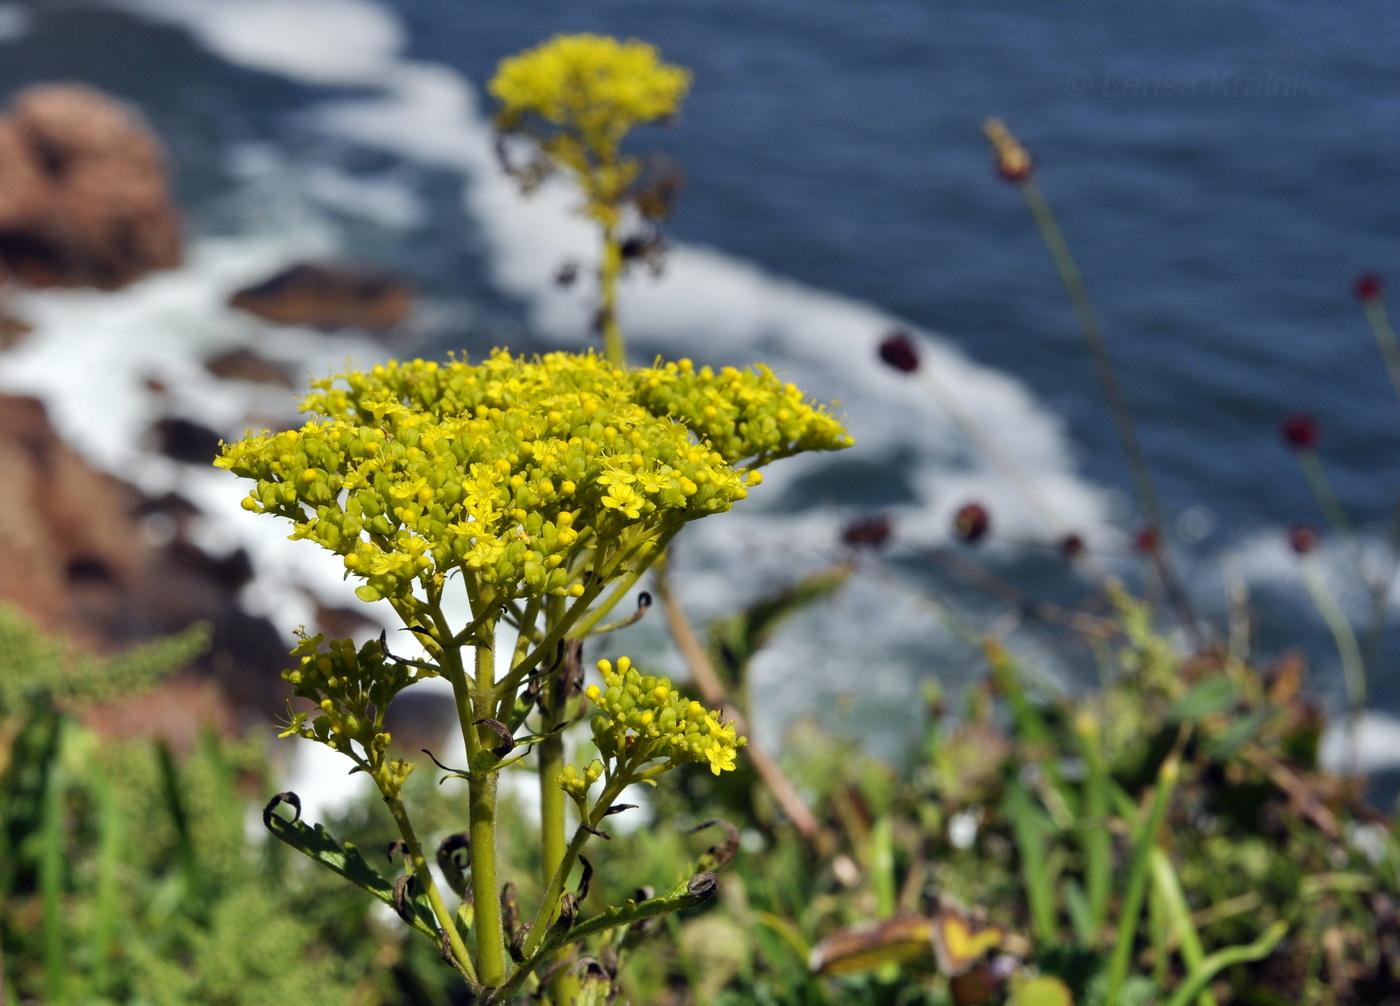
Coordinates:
x,y
1300,431
1302,538
898,351
971,523
867,532
1145,541
1367,287
1071,547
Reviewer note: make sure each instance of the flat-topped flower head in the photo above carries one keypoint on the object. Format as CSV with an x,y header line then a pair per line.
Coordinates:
x,y
515,472
641,718
593,85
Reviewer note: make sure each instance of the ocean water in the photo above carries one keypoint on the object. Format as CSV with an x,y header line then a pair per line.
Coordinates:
x,y
1221,175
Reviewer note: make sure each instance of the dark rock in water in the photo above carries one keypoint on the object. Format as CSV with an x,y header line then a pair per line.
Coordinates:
x,y
78,560
187,441
245,365
83,194
329,297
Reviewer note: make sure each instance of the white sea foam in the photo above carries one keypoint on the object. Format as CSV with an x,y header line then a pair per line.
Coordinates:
x,y
1376,747
332,42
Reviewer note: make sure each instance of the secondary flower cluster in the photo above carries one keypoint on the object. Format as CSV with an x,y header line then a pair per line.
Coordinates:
x,y
512,470
642,718
591,84
353,691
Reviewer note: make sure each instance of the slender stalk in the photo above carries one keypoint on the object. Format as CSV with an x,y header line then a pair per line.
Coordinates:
x,y
1200,977
1167,887
1332,509
1385,337
490,933
1000,460
609,269
1093,832
1113,393
51,870
425,880
545,914
1353,669
1131,909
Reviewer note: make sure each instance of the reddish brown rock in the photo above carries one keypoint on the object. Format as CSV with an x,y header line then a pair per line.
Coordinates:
x,y
245,365
329,297
83,193
78,562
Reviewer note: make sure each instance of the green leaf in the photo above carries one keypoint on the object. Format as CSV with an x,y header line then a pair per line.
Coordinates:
x,y
1212,695
1042,991
1228,744
317,844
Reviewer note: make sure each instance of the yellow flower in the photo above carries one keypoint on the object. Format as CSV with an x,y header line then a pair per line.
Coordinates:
x,y
591,85
626,499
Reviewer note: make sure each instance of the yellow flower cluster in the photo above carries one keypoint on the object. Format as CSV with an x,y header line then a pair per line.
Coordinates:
x,y
591,85
513,471
642,718
746,415
575,782
353,691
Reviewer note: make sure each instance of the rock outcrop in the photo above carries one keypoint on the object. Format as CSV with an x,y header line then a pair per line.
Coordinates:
x,y
81,558
329,297
83,193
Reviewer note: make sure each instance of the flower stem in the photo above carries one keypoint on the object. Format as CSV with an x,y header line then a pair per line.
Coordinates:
x,y
1353,670
1113,394
490,938
1332,509
1385,338
425,880
608,272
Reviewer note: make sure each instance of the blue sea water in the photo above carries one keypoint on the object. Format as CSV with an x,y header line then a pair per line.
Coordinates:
x,y
1222,173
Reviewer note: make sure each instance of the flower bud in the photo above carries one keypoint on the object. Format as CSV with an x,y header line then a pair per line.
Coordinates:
x,y
1145,541
1011,160
898,351
1302,538
1300,431
867,532
1367,287
971,523
1071,547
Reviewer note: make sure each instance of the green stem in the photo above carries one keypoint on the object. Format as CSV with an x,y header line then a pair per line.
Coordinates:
x,y
1167,887
1353,669
486,903
1385,338
608,272
551,755
1113,394
1217,962
1094,834
1332,509
545,914
1131,909
51,863
424,877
